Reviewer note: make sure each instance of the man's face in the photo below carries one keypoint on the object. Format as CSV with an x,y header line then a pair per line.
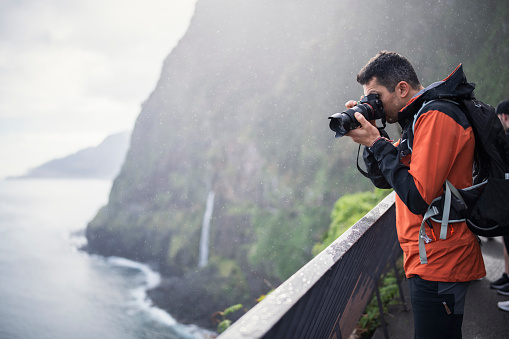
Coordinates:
x,y
504,119
391,102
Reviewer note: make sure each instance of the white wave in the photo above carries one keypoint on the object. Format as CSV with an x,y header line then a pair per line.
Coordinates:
x,y
77,240
152,278
141,303
161,316
139,294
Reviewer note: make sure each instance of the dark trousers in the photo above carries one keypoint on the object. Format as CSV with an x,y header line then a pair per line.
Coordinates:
x,y
438,308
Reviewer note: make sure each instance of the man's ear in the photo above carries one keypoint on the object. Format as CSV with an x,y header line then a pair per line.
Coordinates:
x,y
402,89
505,119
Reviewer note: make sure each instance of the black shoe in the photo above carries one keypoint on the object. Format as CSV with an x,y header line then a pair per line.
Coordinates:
x,y
504,290
501,282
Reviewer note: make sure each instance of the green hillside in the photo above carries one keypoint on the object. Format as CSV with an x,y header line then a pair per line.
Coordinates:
x,y
241,110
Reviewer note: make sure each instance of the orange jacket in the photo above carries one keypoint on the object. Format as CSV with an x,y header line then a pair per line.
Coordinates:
x,y
442,147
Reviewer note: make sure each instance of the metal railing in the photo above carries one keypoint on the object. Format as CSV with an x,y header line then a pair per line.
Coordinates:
x,y
327,296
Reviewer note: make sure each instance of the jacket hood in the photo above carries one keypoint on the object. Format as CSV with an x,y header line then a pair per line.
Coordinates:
x,y
455,86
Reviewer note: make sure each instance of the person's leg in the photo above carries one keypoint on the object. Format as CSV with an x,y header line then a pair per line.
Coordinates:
x,y
438,308
459,291
506,256
503,282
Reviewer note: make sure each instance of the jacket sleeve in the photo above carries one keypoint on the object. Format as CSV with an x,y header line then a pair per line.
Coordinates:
x,y
397,175
438,140
375,174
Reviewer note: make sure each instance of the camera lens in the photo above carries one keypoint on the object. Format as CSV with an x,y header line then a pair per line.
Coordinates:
x,y
370,107
340,123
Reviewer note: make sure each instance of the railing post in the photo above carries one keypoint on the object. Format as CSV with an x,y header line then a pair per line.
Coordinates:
x,y
398,280
381,309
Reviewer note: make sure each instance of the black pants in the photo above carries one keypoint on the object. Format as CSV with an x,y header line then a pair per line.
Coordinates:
x,y
438,308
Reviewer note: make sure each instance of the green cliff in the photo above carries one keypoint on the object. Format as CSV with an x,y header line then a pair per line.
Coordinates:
x,y
241,110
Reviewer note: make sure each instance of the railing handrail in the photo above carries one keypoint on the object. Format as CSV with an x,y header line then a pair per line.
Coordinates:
x,y
326,297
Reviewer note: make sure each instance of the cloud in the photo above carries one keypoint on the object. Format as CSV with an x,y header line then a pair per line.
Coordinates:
x,y
73,72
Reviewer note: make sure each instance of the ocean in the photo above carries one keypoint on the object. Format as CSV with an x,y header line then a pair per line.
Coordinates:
x,y
49,289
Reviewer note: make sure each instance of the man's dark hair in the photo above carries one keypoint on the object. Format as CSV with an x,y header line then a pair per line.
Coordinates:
x,y
503,107
389,68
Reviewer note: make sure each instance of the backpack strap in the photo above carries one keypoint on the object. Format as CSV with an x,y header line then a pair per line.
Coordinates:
x,y
449,190
433,210
446,212
410,138
423,237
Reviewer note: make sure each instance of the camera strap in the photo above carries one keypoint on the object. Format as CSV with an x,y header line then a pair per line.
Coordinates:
x,y
363,172
384,134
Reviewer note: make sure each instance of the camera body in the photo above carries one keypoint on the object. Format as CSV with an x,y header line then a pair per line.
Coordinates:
x,y
370,106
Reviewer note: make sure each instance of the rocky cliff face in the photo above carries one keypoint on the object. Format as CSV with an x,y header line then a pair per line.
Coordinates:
x,y
241,110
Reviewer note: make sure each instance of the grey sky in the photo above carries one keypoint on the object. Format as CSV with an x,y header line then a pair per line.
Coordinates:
x,y
74,71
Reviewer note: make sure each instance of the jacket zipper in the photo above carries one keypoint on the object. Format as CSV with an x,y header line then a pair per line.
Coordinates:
x,y
446,307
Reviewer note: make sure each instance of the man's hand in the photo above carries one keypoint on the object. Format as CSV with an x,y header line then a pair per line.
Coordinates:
x,y
366,134
351,104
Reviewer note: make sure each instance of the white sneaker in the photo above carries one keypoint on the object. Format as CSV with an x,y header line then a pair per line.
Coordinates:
x,y
503,305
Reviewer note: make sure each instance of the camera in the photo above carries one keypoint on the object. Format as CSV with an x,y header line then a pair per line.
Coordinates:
x,y
370,106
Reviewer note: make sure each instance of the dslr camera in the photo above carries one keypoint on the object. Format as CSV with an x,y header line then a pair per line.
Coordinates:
x,y
370,106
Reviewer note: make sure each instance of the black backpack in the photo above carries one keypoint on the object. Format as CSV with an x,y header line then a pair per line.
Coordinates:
x,y
485,205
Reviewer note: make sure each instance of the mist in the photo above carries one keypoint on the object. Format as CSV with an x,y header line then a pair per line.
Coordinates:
x,y
232,170
241,109
74,72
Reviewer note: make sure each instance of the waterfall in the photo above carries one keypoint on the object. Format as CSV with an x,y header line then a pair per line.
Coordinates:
x,y
205,231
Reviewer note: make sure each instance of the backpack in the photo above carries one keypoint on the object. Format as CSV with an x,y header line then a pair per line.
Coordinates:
x,y
485,205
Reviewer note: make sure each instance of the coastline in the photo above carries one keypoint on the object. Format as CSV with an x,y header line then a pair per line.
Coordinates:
x,y
150,296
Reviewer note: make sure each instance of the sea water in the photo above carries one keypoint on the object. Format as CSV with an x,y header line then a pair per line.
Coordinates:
x,y
49,289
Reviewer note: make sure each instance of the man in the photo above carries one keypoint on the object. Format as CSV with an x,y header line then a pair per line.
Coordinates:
x,y
437,143
503,115
502,284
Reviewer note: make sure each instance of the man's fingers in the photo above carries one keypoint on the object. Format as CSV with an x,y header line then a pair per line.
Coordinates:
x,y
351,103
360,118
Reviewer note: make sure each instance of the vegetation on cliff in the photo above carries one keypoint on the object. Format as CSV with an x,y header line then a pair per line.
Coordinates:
x,y
241,109
347,211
